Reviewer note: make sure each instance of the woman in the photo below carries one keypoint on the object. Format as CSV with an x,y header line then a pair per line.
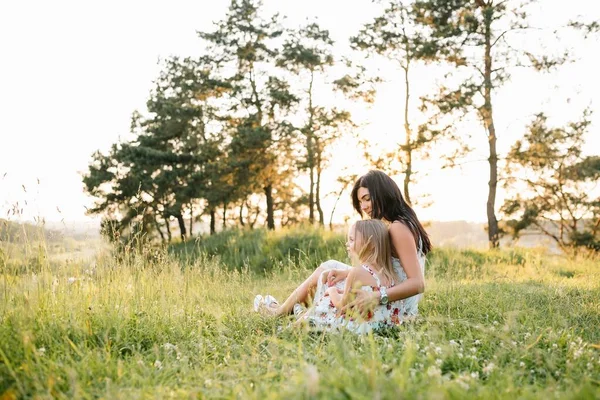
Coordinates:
x,y
377,196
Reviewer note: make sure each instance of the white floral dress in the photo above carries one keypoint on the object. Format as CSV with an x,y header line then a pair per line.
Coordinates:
x,y
323,315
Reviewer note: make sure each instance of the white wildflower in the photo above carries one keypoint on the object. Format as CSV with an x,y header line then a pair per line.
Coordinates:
x,y
169,347
477,342
41,351
473,349
475,375
521,364
495,322
158,364
554,345
460,355
434,371
71,280
453,343
489,368
527,335
439,362
438,350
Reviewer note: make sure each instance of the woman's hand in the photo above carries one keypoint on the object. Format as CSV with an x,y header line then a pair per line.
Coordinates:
x,y
364,302
336,275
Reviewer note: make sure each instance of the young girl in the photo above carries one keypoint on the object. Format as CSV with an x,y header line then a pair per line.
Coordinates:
x,y
369,248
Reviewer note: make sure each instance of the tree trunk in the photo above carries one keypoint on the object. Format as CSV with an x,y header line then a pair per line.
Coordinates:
x,y
169,237
311,153
224,216
212,221
191,218
157,225
493,232
270,211
408,145
318,191
242,223
334,206
181,226
311,192
252,221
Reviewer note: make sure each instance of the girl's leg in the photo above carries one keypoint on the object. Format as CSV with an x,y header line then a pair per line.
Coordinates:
x,y
302,293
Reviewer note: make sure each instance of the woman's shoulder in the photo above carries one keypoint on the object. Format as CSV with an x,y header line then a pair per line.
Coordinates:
x,y
400,228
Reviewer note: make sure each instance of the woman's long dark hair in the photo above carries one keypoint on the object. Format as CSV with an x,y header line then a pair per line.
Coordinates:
x,y
388,203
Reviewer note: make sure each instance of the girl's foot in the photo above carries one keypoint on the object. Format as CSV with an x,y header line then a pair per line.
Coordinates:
x,y
267,305
258,300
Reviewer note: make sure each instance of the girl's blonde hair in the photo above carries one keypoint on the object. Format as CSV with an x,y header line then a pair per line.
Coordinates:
x,y
374,246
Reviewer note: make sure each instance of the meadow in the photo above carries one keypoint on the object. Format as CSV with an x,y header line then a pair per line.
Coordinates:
x,y
177,322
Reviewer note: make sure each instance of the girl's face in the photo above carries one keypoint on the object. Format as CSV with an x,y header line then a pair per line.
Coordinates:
x,y
364,198
350,243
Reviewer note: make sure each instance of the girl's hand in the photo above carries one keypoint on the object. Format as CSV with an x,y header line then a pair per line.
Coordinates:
x,y
364,302
336,275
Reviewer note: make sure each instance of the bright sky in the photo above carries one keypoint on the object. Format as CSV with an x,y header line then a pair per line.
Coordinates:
x,y
72,73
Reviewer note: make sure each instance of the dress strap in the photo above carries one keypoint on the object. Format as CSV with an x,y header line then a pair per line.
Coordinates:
x,y
373,274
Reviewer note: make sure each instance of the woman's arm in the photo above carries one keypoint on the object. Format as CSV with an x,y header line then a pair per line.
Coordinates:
x,y
403,242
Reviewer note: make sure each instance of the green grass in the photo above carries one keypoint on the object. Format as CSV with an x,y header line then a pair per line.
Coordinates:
x,y
505,324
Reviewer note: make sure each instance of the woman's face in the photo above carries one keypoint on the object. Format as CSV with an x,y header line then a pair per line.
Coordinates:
x,y
364,198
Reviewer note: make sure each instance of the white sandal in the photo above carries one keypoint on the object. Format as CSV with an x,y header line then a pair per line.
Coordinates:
x,y
271,301
258,301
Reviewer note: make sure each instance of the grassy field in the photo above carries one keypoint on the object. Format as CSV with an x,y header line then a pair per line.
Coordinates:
x,y
178,324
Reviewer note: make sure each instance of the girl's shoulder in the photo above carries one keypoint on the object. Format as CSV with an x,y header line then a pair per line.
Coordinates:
x,y
361,273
